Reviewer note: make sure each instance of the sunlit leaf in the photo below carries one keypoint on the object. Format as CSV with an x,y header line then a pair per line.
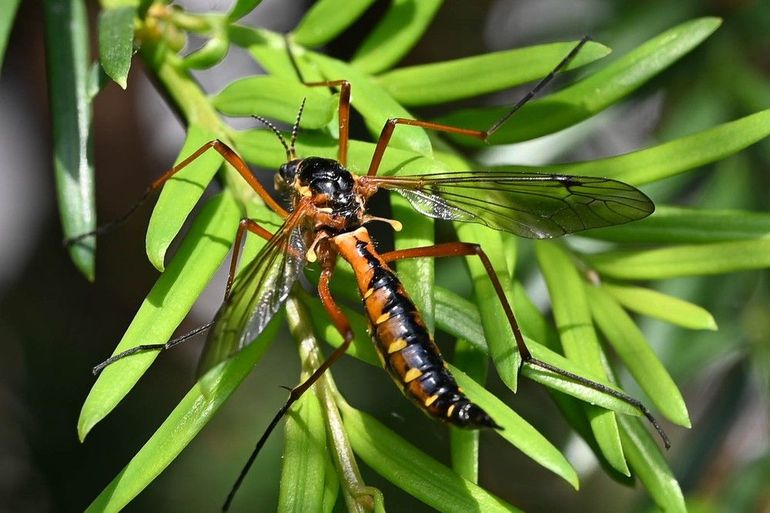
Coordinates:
x,y
682,225
637,355
650,466
656,304
685,260
68,61
180,194
326,19
7,15
592,94
192,413
429,84
305,458
398,30
413,471
464,443
116,42
167,304
573,318
208,55
517,431
278,99
242,8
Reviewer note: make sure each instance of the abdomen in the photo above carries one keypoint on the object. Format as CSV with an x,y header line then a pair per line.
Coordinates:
x,y
405,347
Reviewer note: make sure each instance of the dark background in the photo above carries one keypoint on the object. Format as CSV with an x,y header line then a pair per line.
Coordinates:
x,y
54,326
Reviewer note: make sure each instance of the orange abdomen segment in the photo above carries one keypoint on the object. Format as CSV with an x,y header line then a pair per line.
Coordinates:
x,y
405,347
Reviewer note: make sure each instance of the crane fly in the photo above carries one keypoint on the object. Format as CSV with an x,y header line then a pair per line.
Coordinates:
x,y
327,219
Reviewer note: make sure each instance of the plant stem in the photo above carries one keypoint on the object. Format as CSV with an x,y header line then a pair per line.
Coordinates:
x,y
358,497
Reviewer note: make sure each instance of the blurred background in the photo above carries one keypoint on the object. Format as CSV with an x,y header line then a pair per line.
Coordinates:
x,y
54,326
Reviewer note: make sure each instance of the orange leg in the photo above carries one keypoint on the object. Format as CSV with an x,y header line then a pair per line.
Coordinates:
x,y
229,155
344,114
484,135
343,326
344,109
468,249
253,227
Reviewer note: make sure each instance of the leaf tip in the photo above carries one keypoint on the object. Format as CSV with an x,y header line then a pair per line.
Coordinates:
x,y
85,423
83,258
156,252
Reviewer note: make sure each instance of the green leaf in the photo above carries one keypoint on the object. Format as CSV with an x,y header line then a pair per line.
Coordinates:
x,y
167,304
67,60
117,4
116,42
690,225
573,318
658,305
650,466
277,98
417,274
459,317
305,460
242,8
685,260
361,347
395,34
464,443
208,55
592,94
516,430
192,413
7,15
326,20
431,84
588,395
180,194
413,471
269,50
677,156
637,355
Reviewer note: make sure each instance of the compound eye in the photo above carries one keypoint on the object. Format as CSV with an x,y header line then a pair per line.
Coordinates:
x,y
288,171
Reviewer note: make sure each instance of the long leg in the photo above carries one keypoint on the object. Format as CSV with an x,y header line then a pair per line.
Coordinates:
x,y
484,135
344,108
343,326
245,224
227,153
344,114
469,249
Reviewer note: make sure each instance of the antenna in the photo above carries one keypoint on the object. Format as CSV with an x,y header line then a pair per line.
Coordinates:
x,y
295,129
289,151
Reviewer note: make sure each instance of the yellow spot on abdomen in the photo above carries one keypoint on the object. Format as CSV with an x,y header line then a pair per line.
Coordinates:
x,y
368,293
411,375
450,410
430,400
398,345
382,318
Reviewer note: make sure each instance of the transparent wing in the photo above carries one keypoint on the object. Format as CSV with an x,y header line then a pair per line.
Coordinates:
x,y
536,206
258,292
